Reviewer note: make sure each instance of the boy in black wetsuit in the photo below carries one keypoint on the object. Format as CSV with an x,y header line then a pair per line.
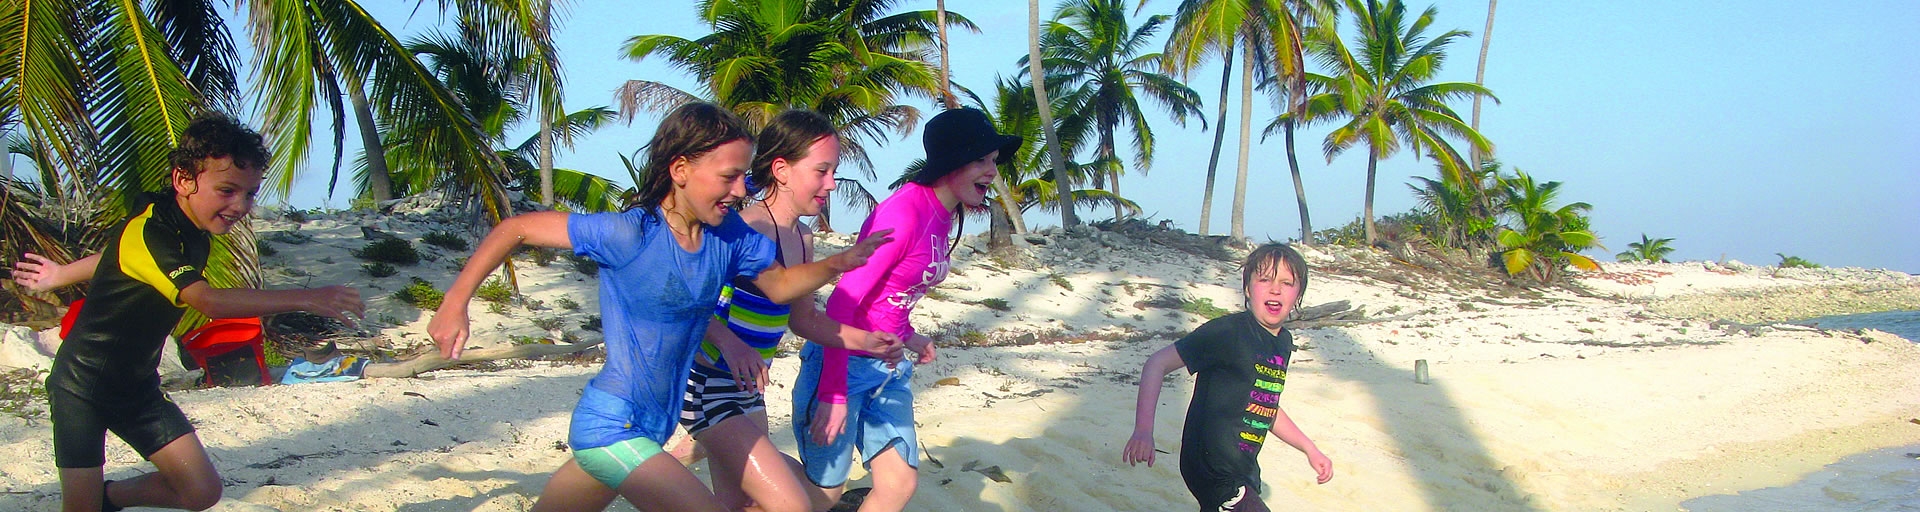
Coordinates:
x,y
103,377
1240,363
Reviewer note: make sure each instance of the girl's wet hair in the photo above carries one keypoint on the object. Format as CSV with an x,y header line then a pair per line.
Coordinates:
x,y
689,132
787,137
1262,259
216,135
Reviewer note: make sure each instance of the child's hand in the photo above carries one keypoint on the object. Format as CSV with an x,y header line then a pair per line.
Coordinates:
x,y
449,329
38,275
827,421
1139,448
884,344
749,370
921,345
337,302
1322,466
857,255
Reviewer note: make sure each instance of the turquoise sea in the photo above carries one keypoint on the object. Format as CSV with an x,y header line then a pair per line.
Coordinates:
x,y
1879,481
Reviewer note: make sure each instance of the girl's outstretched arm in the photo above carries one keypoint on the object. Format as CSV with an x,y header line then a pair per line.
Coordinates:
x,y
1152,374
1290,433
787,284
449,325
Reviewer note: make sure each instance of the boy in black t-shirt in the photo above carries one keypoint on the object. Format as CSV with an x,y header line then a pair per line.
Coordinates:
x,y
1240,363
103,378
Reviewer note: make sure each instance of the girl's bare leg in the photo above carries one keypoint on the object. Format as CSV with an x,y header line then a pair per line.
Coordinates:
x,y
571,489
893,483
748,470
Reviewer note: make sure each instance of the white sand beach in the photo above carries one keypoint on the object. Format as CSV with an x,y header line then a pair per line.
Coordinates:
x,y
1627,398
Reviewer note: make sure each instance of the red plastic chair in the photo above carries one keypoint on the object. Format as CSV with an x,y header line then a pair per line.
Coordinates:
x,y
73,313
224,335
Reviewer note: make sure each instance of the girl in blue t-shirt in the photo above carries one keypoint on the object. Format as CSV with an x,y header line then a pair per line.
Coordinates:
x,y
661,265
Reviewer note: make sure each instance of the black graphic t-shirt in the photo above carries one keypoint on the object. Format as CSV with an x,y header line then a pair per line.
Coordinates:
x,y
1239,369
134,300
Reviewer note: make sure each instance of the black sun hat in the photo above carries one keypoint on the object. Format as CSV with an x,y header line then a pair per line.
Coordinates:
x,y
958,136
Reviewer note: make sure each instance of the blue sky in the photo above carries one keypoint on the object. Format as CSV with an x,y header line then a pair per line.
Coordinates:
x,y
1740,129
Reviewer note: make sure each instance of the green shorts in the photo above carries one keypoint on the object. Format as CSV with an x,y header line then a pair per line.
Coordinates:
x,y
612,463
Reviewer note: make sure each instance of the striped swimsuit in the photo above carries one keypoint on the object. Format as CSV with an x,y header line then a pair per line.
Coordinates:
x,y
712,394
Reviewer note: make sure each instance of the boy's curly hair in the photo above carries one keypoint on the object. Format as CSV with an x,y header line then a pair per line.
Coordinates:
x,y
216,135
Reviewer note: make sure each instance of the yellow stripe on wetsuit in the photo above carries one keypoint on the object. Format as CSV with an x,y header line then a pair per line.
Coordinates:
x,y
137,261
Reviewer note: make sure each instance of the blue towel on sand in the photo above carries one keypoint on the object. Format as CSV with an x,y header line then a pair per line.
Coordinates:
x,y
338,369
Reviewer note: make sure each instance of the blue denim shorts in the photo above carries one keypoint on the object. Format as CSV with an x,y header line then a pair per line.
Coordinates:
x,y
879,416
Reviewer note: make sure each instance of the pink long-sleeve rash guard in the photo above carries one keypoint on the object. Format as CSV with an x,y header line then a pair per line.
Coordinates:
x,y
880,295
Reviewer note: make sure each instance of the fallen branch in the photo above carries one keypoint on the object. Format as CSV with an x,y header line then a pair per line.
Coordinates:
x,y
432,360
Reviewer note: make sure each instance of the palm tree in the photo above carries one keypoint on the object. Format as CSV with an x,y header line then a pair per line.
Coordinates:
x,y
1090,51
1542,237
1037,73
1480,72
1463,217
1383,92
1269,33
1651,250
845,59
97,92
1029,169
493,84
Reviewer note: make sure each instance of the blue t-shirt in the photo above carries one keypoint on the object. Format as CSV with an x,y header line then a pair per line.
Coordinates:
x,y
655,299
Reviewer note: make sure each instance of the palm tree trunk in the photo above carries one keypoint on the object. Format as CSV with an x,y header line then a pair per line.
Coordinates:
x,y
1367,213
1107,158
946,84
1219,134
379,178
1299,188
546,114
1006,215
1062,185
1480,76
1239,228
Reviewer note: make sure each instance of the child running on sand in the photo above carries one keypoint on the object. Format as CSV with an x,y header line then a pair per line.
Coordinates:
x,y
866,397
104,377
725,408
1240,363
662,263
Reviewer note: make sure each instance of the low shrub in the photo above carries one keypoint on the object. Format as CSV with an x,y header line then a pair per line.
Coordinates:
x,y
421,294
389,250
445,239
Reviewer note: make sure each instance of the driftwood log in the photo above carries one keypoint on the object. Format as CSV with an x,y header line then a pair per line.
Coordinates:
x,y
432,360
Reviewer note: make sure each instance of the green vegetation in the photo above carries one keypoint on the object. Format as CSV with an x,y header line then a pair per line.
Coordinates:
x,y
1060,281
23,393
264,249
1202,306
1544,238
592,323
421,294
541,256
995,303
547,322
495,290
389,250
1647,250
445,239
567,303
1795,262
378,269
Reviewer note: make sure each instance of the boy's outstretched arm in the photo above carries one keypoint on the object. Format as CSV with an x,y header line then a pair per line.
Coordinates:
x,y
42,274
336,302
787,284
1290,433
1140,447
449,325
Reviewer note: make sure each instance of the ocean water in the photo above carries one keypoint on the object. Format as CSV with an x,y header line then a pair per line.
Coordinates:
x,y
1905,324
1878,481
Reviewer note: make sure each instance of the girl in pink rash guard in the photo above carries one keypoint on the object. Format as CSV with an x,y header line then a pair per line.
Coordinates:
x,y
861,396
